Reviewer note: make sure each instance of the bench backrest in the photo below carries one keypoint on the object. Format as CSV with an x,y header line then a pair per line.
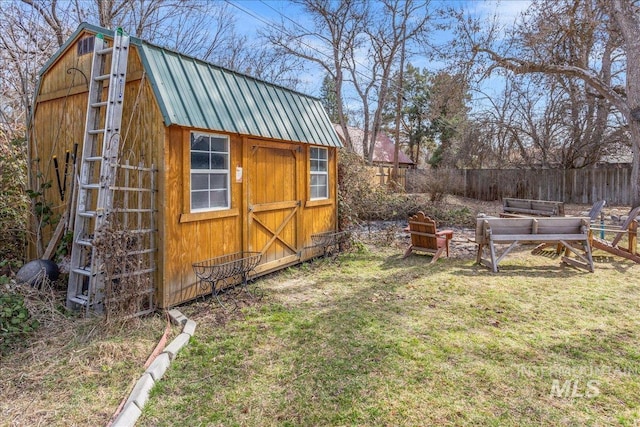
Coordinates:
x,y
529,226
535,207
423,231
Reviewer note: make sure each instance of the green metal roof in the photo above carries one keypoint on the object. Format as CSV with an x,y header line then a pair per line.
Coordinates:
x,y
197,94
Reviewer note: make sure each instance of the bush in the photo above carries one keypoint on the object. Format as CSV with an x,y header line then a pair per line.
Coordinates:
x,y
438,183
360,201
16,322
14,204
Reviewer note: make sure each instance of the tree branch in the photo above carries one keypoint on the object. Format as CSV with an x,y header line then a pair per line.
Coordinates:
x,y
520,66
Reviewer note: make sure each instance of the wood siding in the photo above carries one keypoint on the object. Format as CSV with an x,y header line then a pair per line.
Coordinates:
x,y
270,212
188,238
59,119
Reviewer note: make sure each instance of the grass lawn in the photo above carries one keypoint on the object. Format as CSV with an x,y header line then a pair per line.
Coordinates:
x,y
374,339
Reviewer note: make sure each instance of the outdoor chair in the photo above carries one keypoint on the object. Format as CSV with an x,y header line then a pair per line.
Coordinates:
x,y
628,228
425,237
597,207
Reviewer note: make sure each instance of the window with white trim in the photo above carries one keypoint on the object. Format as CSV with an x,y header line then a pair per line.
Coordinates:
x,y
319,173
209,172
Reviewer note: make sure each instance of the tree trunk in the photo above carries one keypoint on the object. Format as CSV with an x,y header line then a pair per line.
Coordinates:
x,y
634,130
629,25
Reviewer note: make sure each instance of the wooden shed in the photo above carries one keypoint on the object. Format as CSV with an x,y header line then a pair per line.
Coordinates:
x,y
210,162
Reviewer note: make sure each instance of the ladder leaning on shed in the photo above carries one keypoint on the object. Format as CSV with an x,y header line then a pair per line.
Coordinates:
x,y
98,171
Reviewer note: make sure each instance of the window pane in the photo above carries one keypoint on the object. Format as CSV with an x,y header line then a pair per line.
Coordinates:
x,y
219,144
314,192
199,142
322,165
319,187
199,160
218,181
314,165
199,200
319,180
218,198
319,192
318,153
199,181
219,161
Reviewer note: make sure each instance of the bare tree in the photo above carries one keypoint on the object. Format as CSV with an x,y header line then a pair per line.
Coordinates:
x,y
616,24
32,30
28,36
334,36
386,33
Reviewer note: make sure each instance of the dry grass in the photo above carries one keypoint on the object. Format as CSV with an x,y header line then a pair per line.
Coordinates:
x,y
74,371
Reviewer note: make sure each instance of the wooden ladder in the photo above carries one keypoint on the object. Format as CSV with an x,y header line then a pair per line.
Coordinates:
x,y
98,166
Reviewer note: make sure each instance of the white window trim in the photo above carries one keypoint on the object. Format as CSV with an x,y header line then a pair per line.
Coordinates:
x,y
224,172
320,173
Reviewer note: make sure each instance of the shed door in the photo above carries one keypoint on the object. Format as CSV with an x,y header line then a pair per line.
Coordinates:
x,y
273,204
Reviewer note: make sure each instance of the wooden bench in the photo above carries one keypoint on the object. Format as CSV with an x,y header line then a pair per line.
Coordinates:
x,y
571,232
532,207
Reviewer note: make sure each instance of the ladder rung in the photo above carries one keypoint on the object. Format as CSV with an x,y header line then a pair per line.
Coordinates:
x,y
123,210
94,159
141,231
87,214
105,51
102,77
141,252
90,186
82,272
80,299
84,242
96,131
99,104
133,189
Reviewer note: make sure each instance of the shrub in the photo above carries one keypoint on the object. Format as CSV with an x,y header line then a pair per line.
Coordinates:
x,y
14,204
16,322
127,292
438,183
360,201
354,188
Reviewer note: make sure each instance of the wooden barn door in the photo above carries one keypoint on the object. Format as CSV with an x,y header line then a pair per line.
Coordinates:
x,y
274,204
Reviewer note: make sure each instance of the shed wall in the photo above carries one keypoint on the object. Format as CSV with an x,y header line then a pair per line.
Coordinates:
x,y
265,202
59,121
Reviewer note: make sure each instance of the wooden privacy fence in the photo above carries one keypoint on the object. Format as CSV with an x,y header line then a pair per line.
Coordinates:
x,y
584,186
380,175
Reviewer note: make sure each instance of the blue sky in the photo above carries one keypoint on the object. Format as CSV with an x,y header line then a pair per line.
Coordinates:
x,y
253,15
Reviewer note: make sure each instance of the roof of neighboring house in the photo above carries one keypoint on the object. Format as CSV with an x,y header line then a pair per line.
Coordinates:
x,y
617,153
196,94
383,151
